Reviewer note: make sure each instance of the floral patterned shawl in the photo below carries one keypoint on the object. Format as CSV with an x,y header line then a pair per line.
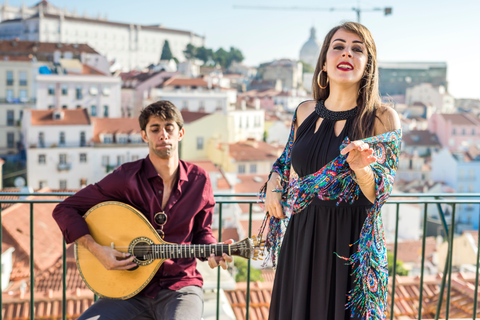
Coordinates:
x,y
335,180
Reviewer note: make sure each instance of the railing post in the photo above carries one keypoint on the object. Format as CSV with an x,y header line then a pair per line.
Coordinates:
x,y
1,241
475,297
394,275
64,282
445,269
450,249
218,269
423,262
32,276
247,315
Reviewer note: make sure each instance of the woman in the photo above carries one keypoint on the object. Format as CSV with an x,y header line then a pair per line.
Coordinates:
x,y
334,197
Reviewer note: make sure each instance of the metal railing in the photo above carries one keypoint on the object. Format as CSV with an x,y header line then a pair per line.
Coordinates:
x,y
452,200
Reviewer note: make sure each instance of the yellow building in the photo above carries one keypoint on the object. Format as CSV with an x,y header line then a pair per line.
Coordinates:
x,y
464,250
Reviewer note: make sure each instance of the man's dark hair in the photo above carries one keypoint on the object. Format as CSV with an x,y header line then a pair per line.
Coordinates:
x,y
163,109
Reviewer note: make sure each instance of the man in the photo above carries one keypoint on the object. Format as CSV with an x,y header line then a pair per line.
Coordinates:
x,y
159,183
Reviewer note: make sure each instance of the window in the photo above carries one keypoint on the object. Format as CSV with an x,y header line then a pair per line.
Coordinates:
x,y
93,91
253,168
241,168
9,78
23,95
9,96
83,139
78,93
93,111
464,132
184,104
42,184
64,90
41,139
106,91
10,139
10,118
50,106
135,157
22,78
62,158
454,131
64,106
63,184
473,131
83,157
107,138
105,111
42,159
83,182
199,143
122,139
61,138
120,160
105,161
51,90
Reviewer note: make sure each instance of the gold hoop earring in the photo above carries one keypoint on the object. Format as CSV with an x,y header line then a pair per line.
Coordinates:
x,y
318,81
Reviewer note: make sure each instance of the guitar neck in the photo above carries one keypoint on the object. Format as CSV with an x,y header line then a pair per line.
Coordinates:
x,y
175,251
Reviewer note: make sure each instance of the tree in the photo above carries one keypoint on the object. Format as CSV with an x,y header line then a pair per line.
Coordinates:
x,y
190,51
166,52
234,55
307,68
221,57
241,276
401,271
204,54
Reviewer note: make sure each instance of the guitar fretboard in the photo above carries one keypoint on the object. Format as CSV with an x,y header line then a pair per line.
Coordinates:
x,y
170,251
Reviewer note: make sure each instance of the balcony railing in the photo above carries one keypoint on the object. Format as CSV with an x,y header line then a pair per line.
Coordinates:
x,y
440,201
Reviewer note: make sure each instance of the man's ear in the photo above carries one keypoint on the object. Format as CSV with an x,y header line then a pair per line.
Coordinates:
x,y
181,133
144,136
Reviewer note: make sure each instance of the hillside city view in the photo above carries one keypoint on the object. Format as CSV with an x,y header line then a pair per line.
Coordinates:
x,y
72,87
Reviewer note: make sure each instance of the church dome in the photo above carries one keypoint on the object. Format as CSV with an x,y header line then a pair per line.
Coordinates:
x,y
311,49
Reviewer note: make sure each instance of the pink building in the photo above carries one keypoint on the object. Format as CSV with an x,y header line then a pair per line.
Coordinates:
x,y
455,131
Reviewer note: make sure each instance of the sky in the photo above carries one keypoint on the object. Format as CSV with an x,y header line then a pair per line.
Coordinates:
x,y
417,30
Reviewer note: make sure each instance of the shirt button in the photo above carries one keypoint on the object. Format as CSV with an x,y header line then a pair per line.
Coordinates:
x,y
160,191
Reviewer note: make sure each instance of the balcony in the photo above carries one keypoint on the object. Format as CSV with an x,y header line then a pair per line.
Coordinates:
x,y
64,166
437,296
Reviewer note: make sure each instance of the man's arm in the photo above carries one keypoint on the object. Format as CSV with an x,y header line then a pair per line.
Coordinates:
x,y
69,216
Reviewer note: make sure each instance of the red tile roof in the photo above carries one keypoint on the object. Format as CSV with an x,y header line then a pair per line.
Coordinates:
x,y
411,250
227,233
16,47
222,183
407,295
460,119
185,82
420,138
113,126
252,150
190,116
71,117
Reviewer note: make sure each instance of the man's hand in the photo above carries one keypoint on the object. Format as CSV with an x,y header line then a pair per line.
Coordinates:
x,y
110,258
214,262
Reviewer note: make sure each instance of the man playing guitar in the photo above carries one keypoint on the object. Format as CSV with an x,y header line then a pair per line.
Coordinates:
x,y
176,197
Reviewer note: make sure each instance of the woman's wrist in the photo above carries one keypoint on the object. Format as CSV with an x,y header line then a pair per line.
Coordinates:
x,y
364,176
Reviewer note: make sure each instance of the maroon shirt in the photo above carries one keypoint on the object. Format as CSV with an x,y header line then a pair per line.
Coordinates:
x,y
189,210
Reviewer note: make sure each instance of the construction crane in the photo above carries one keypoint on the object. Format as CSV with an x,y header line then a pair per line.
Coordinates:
x,y
387,10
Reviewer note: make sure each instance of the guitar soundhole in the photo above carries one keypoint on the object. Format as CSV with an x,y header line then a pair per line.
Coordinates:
x,y
141,248
142,251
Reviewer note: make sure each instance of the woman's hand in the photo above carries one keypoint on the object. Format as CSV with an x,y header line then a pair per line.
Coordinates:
x,y
273,199
360,155
222,261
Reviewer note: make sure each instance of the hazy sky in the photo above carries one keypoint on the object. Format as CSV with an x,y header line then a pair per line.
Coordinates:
x,y
418,30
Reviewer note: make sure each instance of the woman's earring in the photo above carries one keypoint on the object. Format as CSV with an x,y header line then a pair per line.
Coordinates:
x,y
318,81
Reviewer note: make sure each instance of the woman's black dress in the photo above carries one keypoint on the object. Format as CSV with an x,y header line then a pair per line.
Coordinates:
x,y
311,282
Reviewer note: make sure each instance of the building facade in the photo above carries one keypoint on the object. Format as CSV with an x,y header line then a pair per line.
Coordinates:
x,y
130,46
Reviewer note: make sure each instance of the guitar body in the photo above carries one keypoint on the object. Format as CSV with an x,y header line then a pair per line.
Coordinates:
x,y
125,229
117,223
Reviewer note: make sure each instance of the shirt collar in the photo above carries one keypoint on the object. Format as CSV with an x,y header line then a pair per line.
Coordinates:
x,y
152,173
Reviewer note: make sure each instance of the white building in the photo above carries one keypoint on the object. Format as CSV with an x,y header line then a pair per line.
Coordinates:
x,y
311,49
290,72
129,45
98,93
66,149
429,94
196,95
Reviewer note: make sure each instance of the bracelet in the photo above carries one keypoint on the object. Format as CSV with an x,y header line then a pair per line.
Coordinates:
x,y
366,181
277,189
